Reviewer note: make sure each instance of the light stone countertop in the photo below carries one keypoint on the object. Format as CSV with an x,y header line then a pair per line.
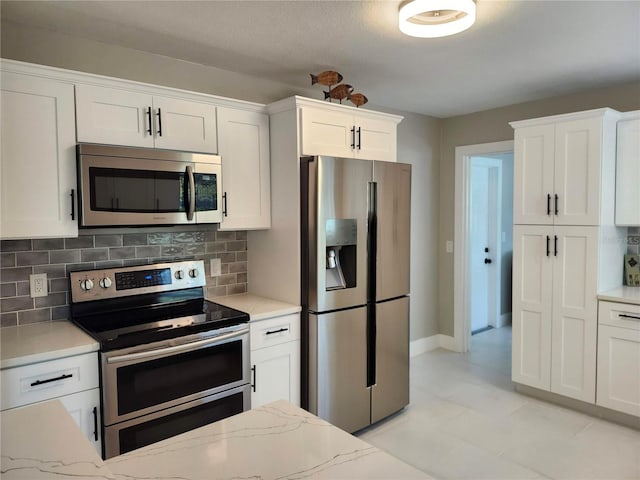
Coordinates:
x,y
622,295
258,308
275,441
40,342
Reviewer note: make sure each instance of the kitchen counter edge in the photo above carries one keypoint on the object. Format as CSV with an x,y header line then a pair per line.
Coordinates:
x,y
257,307
621,295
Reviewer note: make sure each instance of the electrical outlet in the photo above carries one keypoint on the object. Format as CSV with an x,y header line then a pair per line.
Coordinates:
x,y
216,269
38,285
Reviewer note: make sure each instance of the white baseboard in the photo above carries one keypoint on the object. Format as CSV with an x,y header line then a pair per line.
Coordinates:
x,y
426,344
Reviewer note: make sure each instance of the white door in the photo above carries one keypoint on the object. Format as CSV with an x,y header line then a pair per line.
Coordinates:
x,y
533,172
185,125
327,133
276,374
114,116
480,271
37,163
575,312
532,301
577,172
244,149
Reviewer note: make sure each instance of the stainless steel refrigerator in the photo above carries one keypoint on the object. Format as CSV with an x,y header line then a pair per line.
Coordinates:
x,y
355,286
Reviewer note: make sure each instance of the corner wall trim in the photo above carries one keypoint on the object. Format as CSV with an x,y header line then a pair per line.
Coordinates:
x,y
427,344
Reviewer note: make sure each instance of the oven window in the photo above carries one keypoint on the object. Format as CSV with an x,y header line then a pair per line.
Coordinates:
x,y
149,383
146,433
141,191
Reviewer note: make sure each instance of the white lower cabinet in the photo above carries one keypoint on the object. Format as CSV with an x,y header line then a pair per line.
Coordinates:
x,y
71,380
555,309
275,360
619,357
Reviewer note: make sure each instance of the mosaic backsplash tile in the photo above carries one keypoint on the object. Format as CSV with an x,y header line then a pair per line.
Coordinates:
x,y
58,256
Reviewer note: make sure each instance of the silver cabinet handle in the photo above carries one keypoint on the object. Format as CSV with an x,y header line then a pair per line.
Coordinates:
x,y
178,348
192,193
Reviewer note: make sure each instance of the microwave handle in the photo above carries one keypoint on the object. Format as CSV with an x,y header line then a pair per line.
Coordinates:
x,y
191,208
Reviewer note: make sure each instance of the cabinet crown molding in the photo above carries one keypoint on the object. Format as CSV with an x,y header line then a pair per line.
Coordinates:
x,y
297,101
598,112
73,77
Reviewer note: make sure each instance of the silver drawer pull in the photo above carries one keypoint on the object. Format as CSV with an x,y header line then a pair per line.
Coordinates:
x,y
49,380
271,332
178,348
624,315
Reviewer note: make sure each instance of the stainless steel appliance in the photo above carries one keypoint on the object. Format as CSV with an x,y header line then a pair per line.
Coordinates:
x,y
170,361
143,186
355,286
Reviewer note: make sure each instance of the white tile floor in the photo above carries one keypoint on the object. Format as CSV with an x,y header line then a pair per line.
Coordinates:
x,y
466,421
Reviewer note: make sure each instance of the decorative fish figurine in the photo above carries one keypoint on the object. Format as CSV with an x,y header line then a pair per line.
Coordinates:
x,y
327,78
339,92
357,99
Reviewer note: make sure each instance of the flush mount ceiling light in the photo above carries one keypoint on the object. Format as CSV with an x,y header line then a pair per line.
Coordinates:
x,y
436,18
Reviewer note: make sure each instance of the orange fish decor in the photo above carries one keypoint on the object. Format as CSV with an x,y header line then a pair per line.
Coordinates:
x,y
339,92
357,99
327,78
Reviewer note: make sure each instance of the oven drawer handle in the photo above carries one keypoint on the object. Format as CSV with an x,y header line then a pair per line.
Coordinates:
x,y
178,348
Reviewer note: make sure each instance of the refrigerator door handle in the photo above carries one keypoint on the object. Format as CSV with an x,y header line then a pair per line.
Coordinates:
x,y
372,245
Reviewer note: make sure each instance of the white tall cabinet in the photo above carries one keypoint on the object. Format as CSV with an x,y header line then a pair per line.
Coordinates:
x,y
628,170
565,248
37,163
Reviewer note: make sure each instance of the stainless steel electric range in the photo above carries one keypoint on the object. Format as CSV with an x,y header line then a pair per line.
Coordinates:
x,y
170,361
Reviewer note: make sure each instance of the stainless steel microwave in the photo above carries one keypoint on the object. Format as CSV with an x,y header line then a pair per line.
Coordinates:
x,y
123,186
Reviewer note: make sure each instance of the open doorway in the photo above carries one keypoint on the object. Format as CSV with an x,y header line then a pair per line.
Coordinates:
x,y
483,242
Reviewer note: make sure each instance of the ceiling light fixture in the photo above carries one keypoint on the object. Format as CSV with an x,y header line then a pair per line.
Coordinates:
x,y
436,18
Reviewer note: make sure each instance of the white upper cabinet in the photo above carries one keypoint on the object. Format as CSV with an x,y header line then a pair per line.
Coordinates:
x,y
244,149
37,167
559,166
349,134
121,117
628,170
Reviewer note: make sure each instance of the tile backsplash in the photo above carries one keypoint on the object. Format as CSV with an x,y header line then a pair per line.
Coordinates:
x,y
633,240
58,256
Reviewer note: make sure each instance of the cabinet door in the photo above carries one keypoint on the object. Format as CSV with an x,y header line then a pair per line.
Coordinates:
x,y
185,125
37,163
246,181
575,324
84,408
375,139
619,369
276,374
577,171
533,175
532,296
327,133
113,116
628,173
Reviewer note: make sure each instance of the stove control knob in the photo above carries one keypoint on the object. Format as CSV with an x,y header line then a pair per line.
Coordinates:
x,y
86,284
179,274
105,282
193,273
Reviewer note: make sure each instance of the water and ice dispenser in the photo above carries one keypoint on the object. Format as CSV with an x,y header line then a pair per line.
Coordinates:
x,y
341,255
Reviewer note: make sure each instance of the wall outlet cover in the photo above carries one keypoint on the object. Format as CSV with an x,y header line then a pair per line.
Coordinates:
x,y
38,285
216,269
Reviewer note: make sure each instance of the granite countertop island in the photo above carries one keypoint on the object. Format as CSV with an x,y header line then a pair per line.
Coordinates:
x,y
275,441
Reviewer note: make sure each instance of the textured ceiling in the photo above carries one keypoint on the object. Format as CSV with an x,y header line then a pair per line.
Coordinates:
x,y
517,51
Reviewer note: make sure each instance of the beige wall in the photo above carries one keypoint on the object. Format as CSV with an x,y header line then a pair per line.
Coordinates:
x,y
493,126
418,135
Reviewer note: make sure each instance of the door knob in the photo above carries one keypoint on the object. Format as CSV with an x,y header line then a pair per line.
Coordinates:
x,y
487,260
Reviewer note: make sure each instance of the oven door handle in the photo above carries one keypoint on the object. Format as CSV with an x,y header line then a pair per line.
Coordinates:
x,y
178,348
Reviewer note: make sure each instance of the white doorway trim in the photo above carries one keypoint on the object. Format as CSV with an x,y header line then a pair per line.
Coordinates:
x,y
461,256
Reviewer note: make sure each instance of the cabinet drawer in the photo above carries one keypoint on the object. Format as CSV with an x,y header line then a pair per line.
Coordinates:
x,y
47,380
275,331
623,315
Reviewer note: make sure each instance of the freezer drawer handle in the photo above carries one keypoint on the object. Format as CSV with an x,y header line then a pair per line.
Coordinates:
x,y
624,315
48,380
271,332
